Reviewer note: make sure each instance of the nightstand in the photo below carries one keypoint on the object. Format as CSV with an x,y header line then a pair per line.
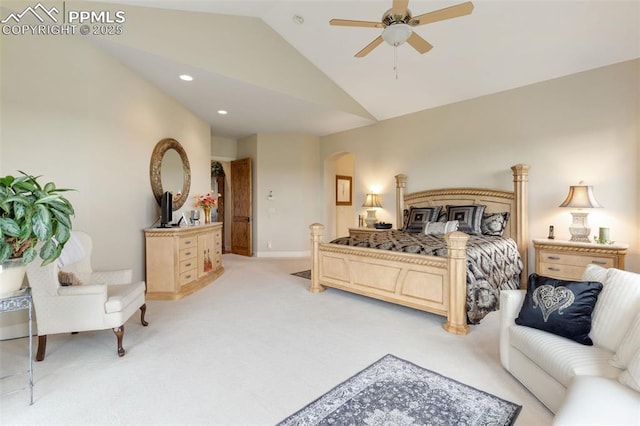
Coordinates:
x,y
359,232
567,260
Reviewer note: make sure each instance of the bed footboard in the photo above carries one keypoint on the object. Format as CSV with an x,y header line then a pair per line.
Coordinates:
x,y
429,283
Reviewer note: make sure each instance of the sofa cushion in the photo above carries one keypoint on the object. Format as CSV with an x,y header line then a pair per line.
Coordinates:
x,y
560,357
560,307
629,346
618,304
631,376
598,401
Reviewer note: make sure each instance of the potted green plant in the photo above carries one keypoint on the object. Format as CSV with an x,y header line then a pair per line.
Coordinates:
x,y
31,213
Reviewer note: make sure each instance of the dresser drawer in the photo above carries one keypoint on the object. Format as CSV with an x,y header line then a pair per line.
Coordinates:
x,y
187,242
188,276
188,253
187,265
575,259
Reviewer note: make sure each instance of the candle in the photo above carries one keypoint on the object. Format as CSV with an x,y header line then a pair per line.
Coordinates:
x,y
603,236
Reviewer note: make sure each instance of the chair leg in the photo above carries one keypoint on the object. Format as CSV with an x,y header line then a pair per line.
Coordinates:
x,y
119,332
42,347
143,311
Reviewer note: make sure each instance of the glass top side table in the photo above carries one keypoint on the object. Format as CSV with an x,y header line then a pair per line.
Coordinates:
x,y
18,301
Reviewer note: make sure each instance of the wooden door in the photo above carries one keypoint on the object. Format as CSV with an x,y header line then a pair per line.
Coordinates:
x,y
220,187
241,236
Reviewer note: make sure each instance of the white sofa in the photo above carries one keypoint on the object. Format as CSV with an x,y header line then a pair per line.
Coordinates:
x,y
582,385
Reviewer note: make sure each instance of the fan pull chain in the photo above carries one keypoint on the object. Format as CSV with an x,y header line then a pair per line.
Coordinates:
x,y
395,59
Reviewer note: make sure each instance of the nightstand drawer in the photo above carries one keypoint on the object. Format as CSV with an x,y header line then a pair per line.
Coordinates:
x,y
564,272
575,260
567,260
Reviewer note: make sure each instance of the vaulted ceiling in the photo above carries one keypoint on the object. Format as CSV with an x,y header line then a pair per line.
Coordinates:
x,y
273,73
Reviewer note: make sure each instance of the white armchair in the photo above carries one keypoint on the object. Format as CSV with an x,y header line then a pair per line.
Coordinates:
x,y
102,300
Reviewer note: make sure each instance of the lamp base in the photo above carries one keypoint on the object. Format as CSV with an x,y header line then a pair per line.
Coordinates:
x,y
371,219
579,230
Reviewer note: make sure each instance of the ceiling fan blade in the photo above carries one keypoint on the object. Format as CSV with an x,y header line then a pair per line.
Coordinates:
x,y
351,23
442,14
399,7
418,43
369,47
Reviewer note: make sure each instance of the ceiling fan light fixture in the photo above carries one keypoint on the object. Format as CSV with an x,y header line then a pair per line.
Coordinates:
x,y
396,34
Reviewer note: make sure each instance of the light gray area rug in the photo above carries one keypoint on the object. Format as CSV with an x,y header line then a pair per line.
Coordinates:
x,y
396,392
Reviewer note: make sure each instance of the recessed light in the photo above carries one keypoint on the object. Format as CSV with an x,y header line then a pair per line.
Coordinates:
x,y
298,19
186,77
222,112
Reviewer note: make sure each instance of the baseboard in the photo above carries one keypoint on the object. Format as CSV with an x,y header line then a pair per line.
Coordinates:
x,y
283,254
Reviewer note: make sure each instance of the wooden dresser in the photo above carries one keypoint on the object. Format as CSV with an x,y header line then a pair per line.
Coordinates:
x,y
180,261
567,260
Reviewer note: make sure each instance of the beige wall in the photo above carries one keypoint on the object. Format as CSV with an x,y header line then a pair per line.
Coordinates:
x,y
288,168
581,127
79,118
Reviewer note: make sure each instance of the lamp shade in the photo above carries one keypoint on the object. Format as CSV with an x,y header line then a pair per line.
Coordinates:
x,y
581,197
372,200
396,34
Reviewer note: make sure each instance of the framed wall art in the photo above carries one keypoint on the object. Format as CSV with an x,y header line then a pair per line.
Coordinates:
x,y
343,190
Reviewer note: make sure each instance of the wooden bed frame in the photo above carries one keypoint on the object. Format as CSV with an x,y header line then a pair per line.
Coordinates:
x,y
429,283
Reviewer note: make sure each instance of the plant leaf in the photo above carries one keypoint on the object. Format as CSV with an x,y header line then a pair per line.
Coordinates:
x,y
62,234
41,223
29,254
9,227
5,251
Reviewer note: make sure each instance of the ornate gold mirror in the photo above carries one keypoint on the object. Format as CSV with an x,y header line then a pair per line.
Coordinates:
x,y
170,171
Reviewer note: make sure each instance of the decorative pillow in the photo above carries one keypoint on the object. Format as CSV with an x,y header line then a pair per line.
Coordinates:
x,y
439,228
68,278
405,218
71,253
419,216
629,346
631,376
468,217
494,223
618,305
560,307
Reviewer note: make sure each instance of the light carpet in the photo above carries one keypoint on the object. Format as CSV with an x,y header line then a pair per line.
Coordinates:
x,y
249,349
396,392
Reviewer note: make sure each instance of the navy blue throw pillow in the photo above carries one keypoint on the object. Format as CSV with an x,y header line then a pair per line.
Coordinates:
x,y
560,307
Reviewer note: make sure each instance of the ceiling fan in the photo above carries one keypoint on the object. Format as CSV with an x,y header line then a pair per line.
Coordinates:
x,y
398,22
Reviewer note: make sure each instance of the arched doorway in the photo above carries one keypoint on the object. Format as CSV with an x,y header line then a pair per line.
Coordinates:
x,y
339,215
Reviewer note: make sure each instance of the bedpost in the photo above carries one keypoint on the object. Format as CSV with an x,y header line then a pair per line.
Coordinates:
x,y
316,238
401,184
520,188
457,270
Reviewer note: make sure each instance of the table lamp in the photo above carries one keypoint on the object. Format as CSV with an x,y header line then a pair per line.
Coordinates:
x,y
580,197
371,201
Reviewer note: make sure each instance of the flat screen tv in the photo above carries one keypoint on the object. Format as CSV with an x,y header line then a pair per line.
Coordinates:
x,y
166,210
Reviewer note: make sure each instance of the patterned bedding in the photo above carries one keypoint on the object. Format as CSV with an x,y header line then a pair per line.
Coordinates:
x,y
493,263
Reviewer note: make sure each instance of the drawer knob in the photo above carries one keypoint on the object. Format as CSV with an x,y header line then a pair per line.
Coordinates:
x,y
187,242
599,262
188,264
554,258
554,269
188,253
188,276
